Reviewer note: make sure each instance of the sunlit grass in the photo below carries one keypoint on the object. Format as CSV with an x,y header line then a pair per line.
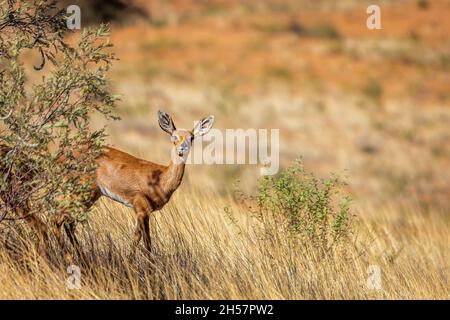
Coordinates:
x,y
199,253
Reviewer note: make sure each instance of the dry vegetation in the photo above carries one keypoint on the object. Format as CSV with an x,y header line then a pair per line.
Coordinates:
x,y
198,253
374,105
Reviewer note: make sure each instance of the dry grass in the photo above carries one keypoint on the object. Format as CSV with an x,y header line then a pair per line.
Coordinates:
x,y
199,253
384,120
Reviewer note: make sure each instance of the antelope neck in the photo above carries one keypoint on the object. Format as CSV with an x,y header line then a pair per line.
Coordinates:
x,y
173,176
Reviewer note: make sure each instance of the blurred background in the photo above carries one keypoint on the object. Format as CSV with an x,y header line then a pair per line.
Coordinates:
x,y
372,105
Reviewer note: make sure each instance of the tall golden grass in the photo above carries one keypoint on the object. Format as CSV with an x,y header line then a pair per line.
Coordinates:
x,y
199,253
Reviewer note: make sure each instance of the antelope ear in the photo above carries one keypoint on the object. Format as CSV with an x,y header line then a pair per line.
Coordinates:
x,y
203,126
165,122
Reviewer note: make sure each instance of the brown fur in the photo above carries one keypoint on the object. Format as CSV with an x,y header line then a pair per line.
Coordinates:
x,y
145,185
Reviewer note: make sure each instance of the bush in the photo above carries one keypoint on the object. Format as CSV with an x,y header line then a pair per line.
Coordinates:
x,y
373,90
46,121
326,31
298,204
423,4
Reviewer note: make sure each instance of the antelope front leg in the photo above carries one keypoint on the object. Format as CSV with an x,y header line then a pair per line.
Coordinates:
x,y
142,210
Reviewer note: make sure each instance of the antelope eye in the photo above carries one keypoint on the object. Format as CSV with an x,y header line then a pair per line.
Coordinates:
x,y
175,138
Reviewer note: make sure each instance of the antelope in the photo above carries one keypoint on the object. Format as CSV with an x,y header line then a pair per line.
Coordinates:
x,y
141,185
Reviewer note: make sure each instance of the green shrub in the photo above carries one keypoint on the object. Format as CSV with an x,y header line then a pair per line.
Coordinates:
x,y
270,28
279,73
373,90
297,204
423,4
43,120
326,31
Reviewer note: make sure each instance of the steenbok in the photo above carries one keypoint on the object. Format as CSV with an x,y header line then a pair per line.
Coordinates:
x,y
141,185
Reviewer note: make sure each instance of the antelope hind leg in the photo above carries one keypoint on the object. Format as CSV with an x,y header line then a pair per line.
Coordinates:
x,y
40,228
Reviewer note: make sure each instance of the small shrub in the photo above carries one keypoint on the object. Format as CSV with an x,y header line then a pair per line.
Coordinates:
x,y
444,61
298,204
373,90
280,73
162,44
270,28
423,4
415,36
297,28
326,31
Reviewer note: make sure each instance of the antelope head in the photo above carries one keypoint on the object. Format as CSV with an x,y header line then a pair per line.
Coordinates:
x,y
182,139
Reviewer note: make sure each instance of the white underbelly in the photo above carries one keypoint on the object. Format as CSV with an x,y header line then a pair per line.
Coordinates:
x,y
115,197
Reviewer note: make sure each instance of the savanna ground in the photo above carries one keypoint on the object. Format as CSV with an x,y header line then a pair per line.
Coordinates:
x,y
370,105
